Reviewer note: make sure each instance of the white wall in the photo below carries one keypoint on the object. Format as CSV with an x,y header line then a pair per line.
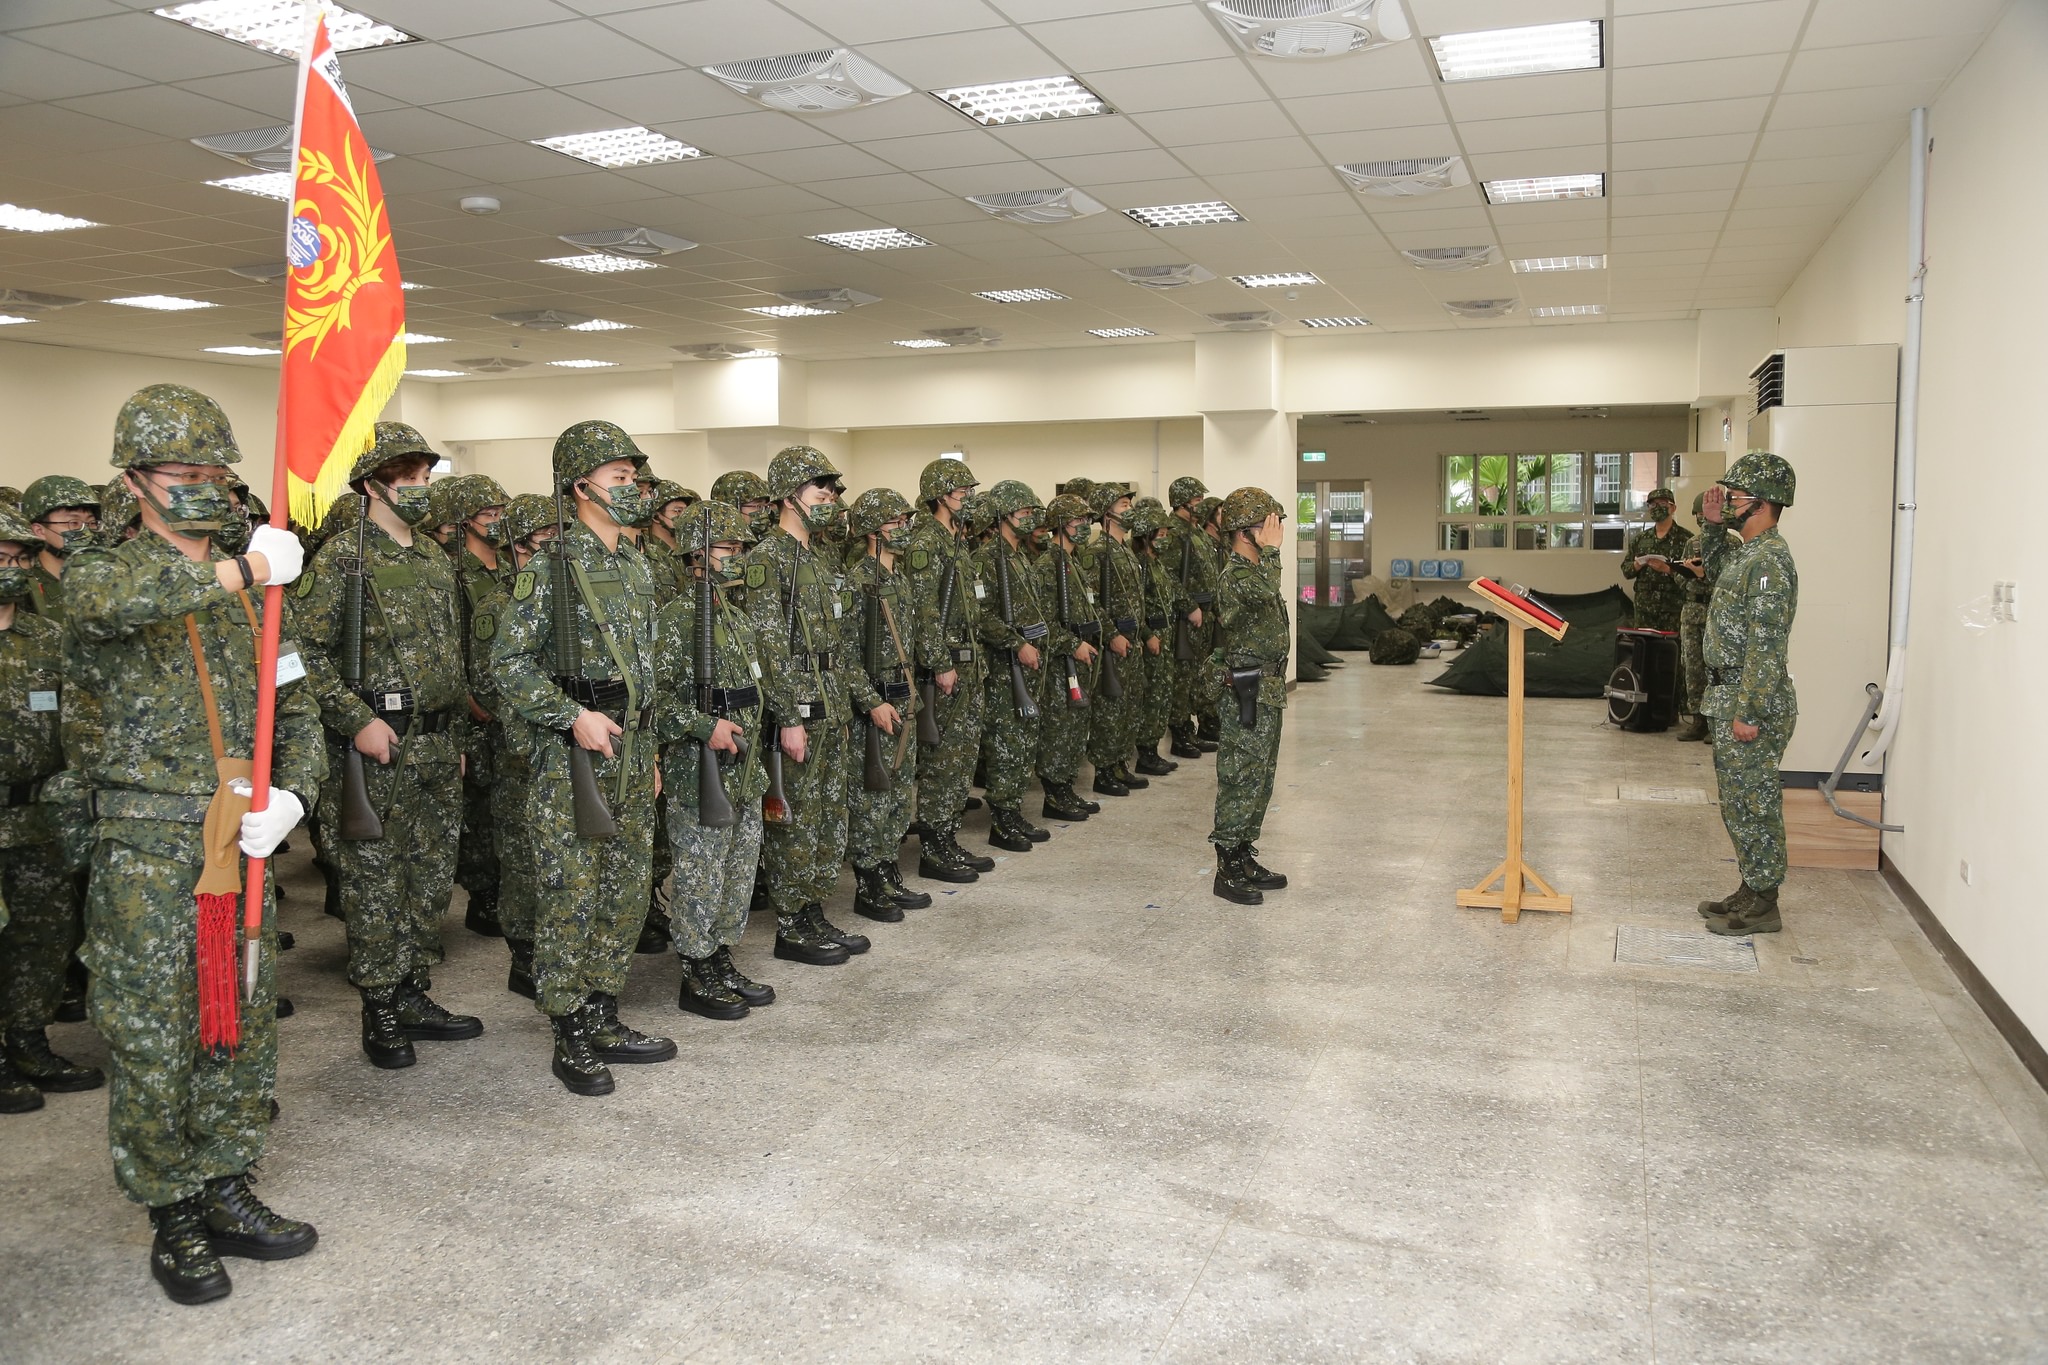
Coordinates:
x,y
1965,775
1041,454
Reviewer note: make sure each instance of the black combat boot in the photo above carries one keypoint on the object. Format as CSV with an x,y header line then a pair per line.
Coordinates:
x,y
901,894
1106,783
653,932
1005,832
973,803
973,862
1692,729
1037,834
1123,774
28,1051
384,1039
424,1021
18,1094
1183,745
871,898
1263,878
71,1007
797,940
1151,764
614,1040
845,938
182,1257
1062,803
482,915
755,993
1233,882
1758,915
519,980
1208,733
240,1224
939,859
704,991
576,1066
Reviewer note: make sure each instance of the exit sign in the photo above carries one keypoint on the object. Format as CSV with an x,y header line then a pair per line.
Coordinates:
x,y
1314,456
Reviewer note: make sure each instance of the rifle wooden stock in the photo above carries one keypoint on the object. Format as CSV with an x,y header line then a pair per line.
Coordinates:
x,y
1183,629
774,801
928,732
875,768
1112,685
1077,697
357,821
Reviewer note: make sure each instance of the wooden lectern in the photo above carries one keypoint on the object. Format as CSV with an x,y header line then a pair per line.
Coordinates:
x,y
1506,888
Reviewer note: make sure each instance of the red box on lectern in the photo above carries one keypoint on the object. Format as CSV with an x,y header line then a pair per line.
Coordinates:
x,y
1524,608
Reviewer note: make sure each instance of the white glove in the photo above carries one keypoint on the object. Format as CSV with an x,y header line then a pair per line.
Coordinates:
x,y
282,550
263,830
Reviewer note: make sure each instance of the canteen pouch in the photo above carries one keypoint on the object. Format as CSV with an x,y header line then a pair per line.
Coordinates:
x,y
1245,683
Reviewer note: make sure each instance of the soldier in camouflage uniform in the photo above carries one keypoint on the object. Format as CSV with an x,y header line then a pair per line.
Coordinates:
x,y
1111,567
166,647
65,514
714,863
590,684
1194,571
883,617
1010,740
1692,622
1073,647
1149,530
748,491
794,598
407,717
1651,561
667,500
947,598
529,524
43,930
1253,639
475,506
1750,697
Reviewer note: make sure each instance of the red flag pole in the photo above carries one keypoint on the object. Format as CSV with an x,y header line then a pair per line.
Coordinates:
x,y
273,595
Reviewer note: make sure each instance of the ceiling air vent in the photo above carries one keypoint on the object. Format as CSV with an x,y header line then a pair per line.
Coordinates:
x,y
1481,308
1404,179
1035,207
1309,29
1450,257
493,364
820,82
964,336
632,242
543,319
261,149
1162,276
1257,320
29,301
723,350
1770,382
829,300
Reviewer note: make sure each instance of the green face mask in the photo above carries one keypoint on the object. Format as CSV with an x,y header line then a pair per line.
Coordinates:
x,y
1025,522
409,502
14,584
233,536
191,508
1659,511
730,570
821,515
623,504
75,538
897,538
497,533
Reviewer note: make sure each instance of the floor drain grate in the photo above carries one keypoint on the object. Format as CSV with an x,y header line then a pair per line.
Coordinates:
x,y
1643,946
1664,796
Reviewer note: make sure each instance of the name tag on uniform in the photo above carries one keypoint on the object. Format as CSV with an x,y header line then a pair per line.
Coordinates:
x,y
1091,595
290,668
754,667
980,592
42,701
835,607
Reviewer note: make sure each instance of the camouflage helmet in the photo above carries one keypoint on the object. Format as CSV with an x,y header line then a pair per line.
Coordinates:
x,y
876,506
1104,496
736,486
14,529
728,526
342,513
1010,497
394,441
587,445
1664,493
1246,509
1699,505
10,496
118,508
472,493
171,424
1147,501
796,466
977,513
1146,521
442,496
53,491
1081,487
1762,475
941,477
527,513
1184,490
1206,509
666,491
1064,509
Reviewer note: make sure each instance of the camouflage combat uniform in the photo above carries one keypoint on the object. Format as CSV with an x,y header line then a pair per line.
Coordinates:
x,y
1009,742
1659,596
1749,628
1162,604
877,820
1063,735
54,492
34,880
1112,569
945,644
1692,618
1253,631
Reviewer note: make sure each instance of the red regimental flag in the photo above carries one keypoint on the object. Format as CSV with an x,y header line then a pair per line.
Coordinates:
x,y
344,313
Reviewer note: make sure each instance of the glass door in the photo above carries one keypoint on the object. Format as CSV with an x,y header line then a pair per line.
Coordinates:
x,y
1332,539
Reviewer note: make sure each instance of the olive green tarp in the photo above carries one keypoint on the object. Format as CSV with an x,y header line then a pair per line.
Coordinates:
x,y
1309,650
1576,666
1345,628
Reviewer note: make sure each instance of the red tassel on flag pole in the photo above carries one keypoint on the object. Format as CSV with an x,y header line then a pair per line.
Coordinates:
x,y
220,1030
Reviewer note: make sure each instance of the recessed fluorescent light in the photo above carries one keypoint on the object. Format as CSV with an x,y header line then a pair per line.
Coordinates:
x,y
264,184
242,350
15,218
792,310
1020,295
434,374
1573,46
1285,279
1534,189
162,303
1111,333
870,239
601,325
595,264
1569,310
420,339
1186,215
9,320
1336,322
1032,101
279,26
409,285
583,364
1535,265
922,344
618,147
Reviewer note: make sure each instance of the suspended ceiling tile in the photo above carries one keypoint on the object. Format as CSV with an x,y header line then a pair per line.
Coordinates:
x,y
1074,137
1767,26
881,193
157,49
855,24
1781,143
941,151
1584,160
1179,85
1465,16
1268,154
1681,82
1805,170
440,20
1548,131
835,162
408,70
41,73
709,31
1663,227
954,59
1772,196
1675,179
1840,23
1900,63
1692,151
999,177
1109,42
1697,118
1875,105
164,110
504,162
1402,66
1663,205
1370,109
1111,167
1567,92
1248,190
1420,142
1226,123
527,114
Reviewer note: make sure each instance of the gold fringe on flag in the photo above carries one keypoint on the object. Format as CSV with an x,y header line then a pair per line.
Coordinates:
x,y
310,501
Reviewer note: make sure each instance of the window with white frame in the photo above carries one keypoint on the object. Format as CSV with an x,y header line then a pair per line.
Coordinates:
x,y
1572,500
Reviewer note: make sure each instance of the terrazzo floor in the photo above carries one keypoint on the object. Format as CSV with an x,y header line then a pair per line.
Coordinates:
x,y
1085,1111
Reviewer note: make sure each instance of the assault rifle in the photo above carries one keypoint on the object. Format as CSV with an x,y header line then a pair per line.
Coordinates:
x,y
1184,633
714,807
357,821
1112,685
593,818
1020,690
928,733
875,773
1077,699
